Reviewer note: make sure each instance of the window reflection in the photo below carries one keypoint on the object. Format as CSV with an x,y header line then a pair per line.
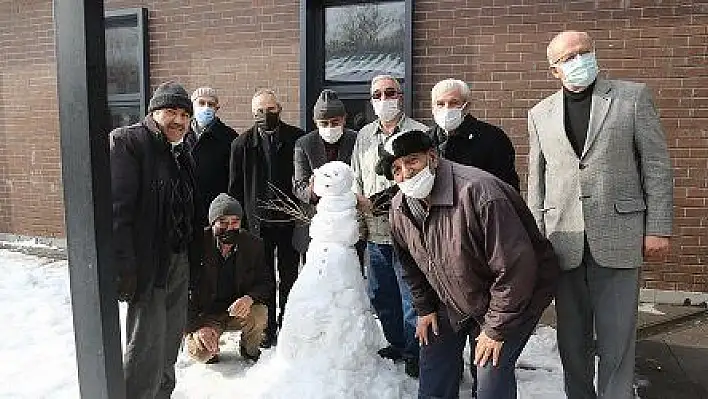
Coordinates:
x,y
124,115
364,40
122,59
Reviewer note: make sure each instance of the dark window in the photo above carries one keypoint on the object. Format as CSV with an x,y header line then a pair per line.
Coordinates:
x,y
346,44
126,65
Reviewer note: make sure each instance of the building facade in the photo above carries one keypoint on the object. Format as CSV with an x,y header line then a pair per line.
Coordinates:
x,y
300,47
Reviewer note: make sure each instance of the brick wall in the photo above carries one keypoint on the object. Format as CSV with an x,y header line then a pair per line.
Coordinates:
x,y
30,170
235,47
499,48
496,46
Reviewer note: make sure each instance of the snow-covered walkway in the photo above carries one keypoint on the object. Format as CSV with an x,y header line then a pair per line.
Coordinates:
x,y
38,354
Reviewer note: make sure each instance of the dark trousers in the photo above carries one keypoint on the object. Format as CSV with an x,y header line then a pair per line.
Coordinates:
x,y
278,242
154,325
441,363
596,309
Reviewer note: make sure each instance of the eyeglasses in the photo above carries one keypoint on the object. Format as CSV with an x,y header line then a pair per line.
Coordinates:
x,y
571,56
387,93
328,123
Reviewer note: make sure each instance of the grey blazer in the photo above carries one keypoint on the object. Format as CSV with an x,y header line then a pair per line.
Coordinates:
x,y
618,191
310,155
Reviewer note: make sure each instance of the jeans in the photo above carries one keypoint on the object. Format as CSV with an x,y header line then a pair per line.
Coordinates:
x,y
441,363
392,300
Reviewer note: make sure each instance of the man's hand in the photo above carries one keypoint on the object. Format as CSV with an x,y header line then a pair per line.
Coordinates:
x,y
485,348
655,247
363,204
127,285
207,338
421,329
241,308
311,188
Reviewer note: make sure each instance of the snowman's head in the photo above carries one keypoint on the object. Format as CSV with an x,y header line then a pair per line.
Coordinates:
x,y
333,179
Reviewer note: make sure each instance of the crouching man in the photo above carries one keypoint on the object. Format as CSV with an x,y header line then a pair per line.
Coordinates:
x,y
476,264
230,289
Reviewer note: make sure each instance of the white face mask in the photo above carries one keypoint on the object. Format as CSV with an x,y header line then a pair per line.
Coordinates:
x,y
579,72
420,185
331,134
448,118
386,110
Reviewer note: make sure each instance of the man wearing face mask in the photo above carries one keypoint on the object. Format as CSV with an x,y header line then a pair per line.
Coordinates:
x,y
600,188
330,142
476,263
230,289
262,158
462,138
156,221
389,295
209,140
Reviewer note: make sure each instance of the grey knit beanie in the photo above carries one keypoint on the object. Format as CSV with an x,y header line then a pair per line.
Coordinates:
x,y
328,106
224,205
170,95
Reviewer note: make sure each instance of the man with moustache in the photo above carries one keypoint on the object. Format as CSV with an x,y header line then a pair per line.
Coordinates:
x,y
156,221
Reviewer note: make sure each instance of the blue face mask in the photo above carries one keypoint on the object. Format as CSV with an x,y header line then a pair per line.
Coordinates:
x,y
580,71
204,115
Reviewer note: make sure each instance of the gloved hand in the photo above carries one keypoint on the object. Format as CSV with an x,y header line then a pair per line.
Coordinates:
x,y
381,201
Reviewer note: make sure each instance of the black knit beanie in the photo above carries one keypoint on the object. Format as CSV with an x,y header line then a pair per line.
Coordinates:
x,y
170,95
328,106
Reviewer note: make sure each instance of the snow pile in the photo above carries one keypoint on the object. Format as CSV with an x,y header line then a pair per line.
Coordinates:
x,y
37,345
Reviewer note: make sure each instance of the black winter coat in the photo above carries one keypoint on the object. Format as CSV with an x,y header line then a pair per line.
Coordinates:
x,y
211,152
141,167
250,277
249,175
479,144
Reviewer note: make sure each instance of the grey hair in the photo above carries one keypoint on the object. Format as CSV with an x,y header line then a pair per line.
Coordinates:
x,y
450,84
262,92
379,78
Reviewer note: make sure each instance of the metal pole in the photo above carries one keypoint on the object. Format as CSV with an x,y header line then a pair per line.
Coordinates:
x,y
83,116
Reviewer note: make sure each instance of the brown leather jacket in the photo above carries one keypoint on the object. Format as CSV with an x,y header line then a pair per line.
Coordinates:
x,y
479,254
250,277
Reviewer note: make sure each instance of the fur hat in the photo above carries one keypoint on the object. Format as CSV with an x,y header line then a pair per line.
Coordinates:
x,y
170,95
402,144
224,205
328,106
205,92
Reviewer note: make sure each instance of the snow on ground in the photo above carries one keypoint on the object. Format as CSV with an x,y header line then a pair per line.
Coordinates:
x,y
38,355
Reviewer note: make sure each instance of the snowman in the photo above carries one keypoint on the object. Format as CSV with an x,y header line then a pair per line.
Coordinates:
x,y
328,341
